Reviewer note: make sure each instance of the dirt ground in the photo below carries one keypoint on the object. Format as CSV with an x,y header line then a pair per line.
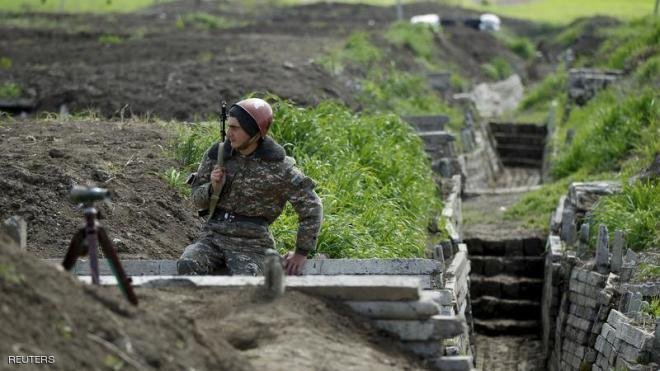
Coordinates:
x,y
46,312
41,161
154,67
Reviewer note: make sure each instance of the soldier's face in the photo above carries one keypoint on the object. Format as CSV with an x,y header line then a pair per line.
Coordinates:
x,y
237,136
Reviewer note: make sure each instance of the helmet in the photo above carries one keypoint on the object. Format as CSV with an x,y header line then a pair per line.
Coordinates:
x,y
260,111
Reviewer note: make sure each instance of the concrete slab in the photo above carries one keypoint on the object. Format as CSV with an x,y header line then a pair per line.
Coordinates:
x,y
356,288
400,310
437,327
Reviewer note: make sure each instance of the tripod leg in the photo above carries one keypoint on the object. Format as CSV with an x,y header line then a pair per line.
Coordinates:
x,y
75,250
123,280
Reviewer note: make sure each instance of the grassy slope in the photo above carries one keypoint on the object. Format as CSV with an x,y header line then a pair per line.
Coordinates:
x,y
616,135
76,6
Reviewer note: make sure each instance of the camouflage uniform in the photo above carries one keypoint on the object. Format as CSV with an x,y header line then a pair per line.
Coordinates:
x,y
257,185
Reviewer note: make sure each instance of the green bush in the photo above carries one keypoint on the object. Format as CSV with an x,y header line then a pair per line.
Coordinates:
x,y
497,69
607,130
416,37
648,73
358,50
522,46
390,90
204,21
635,211
10,90
177,180
534,208
5,63
551,87
371,173
110,39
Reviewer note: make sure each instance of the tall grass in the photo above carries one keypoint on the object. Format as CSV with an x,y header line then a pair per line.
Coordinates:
x,y
371,173
358,50
419,38
608,129
76,6
550,88
631,43
635,211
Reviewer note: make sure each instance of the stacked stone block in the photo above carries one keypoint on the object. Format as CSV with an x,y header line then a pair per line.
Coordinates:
x,y
585,331
620,345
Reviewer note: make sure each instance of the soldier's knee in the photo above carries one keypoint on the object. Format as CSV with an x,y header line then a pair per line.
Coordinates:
x,y
194,260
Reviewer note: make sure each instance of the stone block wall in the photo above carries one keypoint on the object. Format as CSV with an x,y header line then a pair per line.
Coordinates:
x,y
583,327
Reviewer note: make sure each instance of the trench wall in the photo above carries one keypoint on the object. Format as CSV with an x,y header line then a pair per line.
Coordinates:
x,y
592,318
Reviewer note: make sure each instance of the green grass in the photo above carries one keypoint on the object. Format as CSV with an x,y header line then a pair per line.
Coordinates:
x,y
608,130
497,69
630,43
391,90
371,173
418,38
384,87
110,39
76,6
565,11
542,94
654,305
177,180
205,21
10,90
5,63
635,211
358,50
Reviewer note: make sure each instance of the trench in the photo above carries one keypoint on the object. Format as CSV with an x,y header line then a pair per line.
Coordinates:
x,y
507,262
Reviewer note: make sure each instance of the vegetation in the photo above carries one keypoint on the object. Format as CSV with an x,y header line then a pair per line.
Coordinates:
x,y
76,6
5,63
630,44
542,94
615,136
635,211
204,21
358,50
177,180
10,90
565,11
497,69
371,172
110,39
385,88
654,307
416,37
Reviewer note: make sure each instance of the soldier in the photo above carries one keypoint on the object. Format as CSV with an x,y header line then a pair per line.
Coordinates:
x,y
255,183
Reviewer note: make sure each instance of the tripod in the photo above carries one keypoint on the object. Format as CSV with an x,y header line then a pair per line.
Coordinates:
x,y
88,238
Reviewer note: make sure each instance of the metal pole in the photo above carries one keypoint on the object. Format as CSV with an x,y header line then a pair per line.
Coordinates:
x,y
399,10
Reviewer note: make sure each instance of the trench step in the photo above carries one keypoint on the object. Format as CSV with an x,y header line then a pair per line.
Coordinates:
x,y
532,246
521,162
527,266
506,326
517,128
490,307
525,139
515,151
506,286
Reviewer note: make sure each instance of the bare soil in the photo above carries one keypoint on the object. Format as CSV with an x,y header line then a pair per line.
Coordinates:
x,y
41,160
46,312
156,68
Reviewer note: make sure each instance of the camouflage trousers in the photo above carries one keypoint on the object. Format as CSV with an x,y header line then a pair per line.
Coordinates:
x,y
227,248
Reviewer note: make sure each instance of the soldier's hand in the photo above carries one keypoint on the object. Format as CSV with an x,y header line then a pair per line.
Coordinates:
x,y
293,263
217,177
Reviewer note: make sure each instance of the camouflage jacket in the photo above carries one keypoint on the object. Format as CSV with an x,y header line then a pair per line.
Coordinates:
x,y
259,185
